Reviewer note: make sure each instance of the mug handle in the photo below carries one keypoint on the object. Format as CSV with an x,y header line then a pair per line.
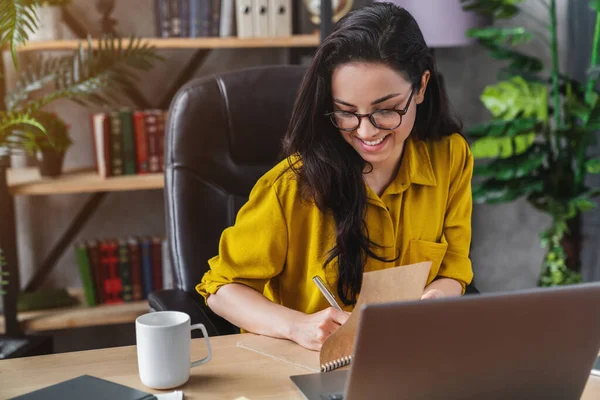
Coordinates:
x,y
209,356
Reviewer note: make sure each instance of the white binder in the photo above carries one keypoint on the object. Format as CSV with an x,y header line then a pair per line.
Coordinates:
x,y
280,17
261,17
244,18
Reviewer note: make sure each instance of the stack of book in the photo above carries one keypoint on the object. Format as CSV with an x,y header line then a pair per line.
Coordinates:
x,y
114,271
128,142
224,18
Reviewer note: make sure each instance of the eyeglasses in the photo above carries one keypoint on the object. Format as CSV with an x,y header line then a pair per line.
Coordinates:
x,y
382,119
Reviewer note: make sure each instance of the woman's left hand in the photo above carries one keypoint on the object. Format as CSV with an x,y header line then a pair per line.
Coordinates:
x,y
432,294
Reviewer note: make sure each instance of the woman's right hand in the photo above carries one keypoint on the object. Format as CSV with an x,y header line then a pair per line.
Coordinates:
x,y
311,330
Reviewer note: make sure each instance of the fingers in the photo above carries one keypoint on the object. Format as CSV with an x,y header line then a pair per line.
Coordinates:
x,y
338,316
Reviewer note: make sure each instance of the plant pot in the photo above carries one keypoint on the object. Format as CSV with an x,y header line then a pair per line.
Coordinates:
x,y
50,24
50,163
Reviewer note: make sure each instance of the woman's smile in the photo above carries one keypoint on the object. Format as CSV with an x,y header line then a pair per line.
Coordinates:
x,y
375,145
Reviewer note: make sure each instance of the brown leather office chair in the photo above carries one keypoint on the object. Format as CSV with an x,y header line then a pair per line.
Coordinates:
x,y
223,132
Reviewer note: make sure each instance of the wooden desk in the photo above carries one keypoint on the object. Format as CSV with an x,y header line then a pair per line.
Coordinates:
x,y
234,372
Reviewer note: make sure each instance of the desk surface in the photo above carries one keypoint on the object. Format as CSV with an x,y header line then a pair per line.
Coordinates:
x,y
234,372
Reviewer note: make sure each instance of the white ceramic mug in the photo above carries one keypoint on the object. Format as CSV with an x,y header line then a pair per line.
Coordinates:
x,y
163,348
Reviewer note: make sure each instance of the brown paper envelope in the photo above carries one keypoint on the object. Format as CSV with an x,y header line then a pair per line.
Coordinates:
x,y
402,283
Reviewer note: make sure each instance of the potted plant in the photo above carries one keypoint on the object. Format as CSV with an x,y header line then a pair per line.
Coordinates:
x,y
50,146
92,74
537,141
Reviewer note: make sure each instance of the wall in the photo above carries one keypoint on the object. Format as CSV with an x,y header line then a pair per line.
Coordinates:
x,y
505,251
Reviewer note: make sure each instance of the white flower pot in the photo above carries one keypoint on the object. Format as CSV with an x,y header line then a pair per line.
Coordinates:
x,y
50,24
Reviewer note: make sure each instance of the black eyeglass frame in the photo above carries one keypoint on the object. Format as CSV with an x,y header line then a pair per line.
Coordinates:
x,y
360,117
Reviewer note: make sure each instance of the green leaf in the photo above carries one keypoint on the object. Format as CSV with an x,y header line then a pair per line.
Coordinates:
x,y
17,20
581,204
595,5
492,8
577,107
502,147
498,127
592,166
516,98
513,167
85,76
520,62
493,191
500,36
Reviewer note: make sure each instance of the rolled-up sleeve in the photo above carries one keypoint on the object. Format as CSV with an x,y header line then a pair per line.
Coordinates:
x,y
456,263
254,249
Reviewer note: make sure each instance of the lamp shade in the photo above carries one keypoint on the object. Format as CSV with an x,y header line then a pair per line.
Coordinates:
x,y
443,22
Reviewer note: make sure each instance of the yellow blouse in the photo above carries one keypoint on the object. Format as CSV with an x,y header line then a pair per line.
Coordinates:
x,y
280,241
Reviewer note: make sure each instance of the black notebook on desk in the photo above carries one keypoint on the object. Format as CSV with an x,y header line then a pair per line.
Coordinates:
x,y
88,388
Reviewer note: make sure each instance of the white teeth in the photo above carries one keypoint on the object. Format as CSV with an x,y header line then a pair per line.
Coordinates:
x,y
373,143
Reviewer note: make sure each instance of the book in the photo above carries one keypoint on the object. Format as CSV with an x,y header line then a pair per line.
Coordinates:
x,y
163,18
227,20
141,141
101,143
86,273
98,273
403,283
116,141
244,18
280,18
260,18
86,387
125,271
128,141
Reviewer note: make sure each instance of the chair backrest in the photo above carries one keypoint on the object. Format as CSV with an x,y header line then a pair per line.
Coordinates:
x,y
223,132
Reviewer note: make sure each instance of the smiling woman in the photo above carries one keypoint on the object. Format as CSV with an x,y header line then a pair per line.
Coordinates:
x,y
376,175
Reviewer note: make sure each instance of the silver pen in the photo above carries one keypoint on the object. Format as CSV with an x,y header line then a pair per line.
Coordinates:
x,y
328,295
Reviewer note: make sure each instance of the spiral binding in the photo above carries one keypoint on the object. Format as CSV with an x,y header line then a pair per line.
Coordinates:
x,y
335,364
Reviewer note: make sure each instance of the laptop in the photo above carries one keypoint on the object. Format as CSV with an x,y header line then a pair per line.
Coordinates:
x,y
537,343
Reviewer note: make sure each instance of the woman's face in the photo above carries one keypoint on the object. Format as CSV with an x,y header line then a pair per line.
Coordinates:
x,y
363,88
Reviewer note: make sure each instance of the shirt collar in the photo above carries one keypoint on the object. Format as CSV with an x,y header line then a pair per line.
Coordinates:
x,y
415,167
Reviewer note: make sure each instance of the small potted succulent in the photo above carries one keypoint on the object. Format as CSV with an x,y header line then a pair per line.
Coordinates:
x,y
49,147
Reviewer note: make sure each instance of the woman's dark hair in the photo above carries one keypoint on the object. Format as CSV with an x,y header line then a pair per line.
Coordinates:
x,y
331,171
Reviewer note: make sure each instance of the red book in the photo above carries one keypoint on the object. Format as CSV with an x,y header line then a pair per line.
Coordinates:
x,y
141,142
109,259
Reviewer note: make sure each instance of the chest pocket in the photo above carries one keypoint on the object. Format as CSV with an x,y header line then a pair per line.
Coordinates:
x,y
421,250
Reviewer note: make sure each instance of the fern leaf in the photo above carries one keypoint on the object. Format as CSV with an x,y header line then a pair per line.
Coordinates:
x,y
111,69
10,120
17,20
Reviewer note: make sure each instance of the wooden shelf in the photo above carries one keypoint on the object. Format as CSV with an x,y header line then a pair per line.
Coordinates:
x,y
187,43
80,315
27,181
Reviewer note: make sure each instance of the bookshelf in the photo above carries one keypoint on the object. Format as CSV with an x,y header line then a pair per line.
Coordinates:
x,y
186,43
27,181
79,316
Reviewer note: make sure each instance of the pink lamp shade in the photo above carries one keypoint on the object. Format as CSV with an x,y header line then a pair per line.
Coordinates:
x,y
443,22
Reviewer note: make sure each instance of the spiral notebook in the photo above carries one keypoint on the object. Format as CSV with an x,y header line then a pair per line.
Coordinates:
x,y
389,285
